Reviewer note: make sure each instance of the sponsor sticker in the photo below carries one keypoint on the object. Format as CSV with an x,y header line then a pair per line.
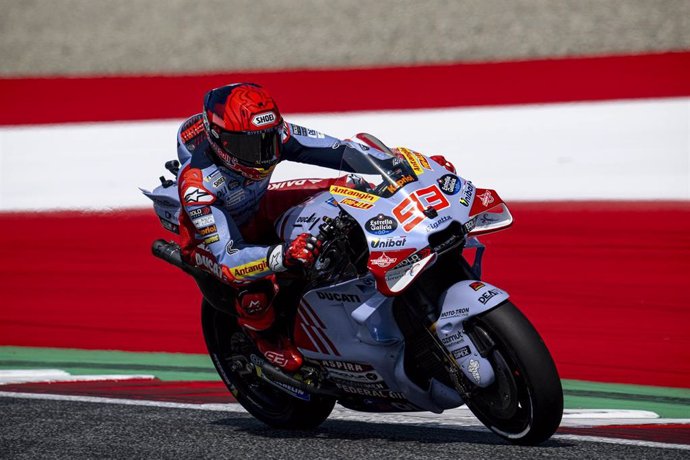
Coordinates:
x,y
372,393
301,131
473,368
298,183
252,268
461,352
381,225
457,337
422,160
355,378
434,225
356,204
390,242
466,193
307,221
262,119
347,366
469,225
338,297
212,239
400,183
352,193
449,184
412,160
197,195
207,230
464,311
207,262
204,221
199,212
301,394
477,285
218,182
383,261
487,198
488,295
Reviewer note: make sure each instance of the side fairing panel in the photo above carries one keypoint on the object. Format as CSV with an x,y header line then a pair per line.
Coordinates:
x,y
351,330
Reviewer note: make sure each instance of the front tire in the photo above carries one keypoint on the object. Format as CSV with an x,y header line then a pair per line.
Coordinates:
x,y
226,342
525,403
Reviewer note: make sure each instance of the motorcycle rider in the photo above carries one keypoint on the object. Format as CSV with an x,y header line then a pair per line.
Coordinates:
x,y
228,153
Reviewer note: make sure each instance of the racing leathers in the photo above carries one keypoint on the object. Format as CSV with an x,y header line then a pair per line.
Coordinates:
x,y
226,222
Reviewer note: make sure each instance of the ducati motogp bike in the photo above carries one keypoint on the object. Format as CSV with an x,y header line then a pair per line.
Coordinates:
x,y
393,316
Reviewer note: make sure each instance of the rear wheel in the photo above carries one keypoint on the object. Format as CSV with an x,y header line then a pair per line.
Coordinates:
x,y
525,403
231,350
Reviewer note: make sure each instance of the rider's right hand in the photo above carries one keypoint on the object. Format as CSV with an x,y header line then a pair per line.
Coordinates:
x,y
302,251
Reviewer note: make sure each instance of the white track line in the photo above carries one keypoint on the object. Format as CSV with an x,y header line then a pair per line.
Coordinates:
x,y
340,413
56,375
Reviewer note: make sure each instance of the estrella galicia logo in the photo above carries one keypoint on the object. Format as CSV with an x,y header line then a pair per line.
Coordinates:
x,y
449,183
381,225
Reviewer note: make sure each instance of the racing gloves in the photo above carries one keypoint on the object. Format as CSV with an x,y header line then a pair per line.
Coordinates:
x,y
302,251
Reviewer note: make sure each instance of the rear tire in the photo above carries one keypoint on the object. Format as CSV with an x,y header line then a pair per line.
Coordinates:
x,y
225,340
525,403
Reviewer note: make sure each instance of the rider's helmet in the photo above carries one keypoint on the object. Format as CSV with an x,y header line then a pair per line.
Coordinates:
x,y
244,126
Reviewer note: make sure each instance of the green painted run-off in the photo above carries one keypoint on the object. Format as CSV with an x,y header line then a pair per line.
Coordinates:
x,y
667,402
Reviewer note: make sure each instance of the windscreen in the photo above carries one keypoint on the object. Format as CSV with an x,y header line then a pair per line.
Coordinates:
x,y
376,172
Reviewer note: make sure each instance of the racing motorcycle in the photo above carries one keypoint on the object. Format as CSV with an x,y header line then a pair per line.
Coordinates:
x,y
393,316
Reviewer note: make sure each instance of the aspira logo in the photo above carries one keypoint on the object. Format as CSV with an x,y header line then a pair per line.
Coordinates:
x,y
264,119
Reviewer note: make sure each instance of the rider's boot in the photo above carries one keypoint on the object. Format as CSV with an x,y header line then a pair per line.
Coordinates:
x,y
256,316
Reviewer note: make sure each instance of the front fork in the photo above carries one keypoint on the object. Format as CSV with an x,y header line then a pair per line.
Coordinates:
x,y
459,304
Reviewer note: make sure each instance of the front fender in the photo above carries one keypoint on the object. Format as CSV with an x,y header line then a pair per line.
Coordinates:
x,y
459,303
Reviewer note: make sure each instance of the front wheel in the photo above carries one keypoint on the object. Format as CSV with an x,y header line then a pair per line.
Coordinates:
x,y
229,347
525,403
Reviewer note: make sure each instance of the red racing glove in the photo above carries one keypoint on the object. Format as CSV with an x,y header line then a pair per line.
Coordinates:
x,y
303,251
440,159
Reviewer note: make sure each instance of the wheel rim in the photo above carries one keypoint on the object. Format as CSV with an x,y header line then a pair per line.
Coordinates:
x,y
262,395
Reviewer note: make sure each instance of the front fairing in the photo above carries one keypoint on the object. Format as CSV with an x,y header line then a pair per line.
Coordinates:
x,y
399,199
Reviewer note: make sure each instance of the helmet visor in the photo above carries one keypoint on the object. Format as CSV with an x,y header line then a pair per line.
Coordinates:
x,y
253,148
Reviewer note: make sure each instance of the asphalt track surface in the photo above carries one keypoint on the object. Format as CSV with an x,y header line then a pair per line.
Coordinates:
x,y
70,430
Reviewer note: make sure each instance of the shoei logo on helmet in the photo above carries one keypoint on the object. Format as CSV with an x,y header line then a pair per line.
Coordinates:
x,y
264,119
